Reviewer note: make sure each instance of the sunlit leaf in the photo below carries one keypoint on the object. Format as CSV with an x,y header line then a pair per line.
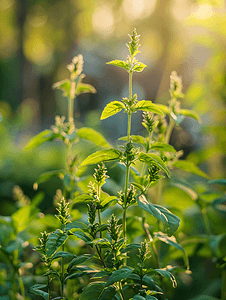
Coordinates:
x,y
188,166
147,105
111,109
83,236
165,109
139,67
159,146
83,88
93,136
63,254
64,85
76,225
119,63
189,113
100,156
46,135
153,159
136,139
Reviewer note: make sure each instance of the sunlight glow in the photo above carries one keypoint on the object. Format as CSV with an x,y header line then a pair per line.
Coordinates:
x,y
103,21
135,9
204,11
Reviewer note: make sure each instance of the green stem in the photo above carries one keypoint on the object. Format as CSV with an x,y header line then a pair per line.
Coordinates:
x,y
169,131
62,269
100,256
21,284
121,291
99,212
223,289
206,221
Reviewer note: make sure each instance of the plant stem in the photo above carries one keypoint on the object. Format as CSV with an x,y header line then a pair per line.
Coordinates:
x,y
121,291
99,211
206,221
62,269
223,289
100,256
21,284
169,131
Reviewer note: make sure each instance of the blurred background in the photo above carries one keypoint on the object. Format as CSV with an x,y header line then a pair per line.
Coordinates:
x,y
38,40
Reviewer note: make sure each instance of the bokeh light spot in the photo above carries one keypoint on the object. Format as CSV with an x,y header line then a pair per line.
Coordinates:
x,y
103,21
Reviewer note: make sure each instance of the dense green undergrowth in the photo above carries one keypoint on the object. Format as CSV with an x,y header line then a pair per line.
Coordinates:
x,y
127,224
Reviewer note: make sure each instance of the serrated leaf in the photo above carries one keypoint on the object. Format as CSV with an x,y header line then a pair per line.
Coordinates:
x,y
119,275
79,260
159,146
150,159
170,221
147,105
76,225
172,242
83,88
48,175
93,291
93,136
168,275
46,135
189,166
189,113
111,109
55,240
119,63
218,181
63,85
63,254
100,156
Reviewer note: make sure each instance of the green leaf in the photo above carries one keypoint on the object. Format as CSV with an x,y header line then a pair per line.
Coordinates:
x,y
83,88
63,254
168,275
148,297
79,260
23,217
147,105
220,204
100,156
83,236
93,136
119,63
48,175
136,139
101,274
83,198
39,293
55,240
108,293
93,291
189,113
130,247
153,159
170,221
159,146
63,85
164,108
139,67
119,275
138,297
108,200
189,166
111,109
172,242
218,181
76,225
46,135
